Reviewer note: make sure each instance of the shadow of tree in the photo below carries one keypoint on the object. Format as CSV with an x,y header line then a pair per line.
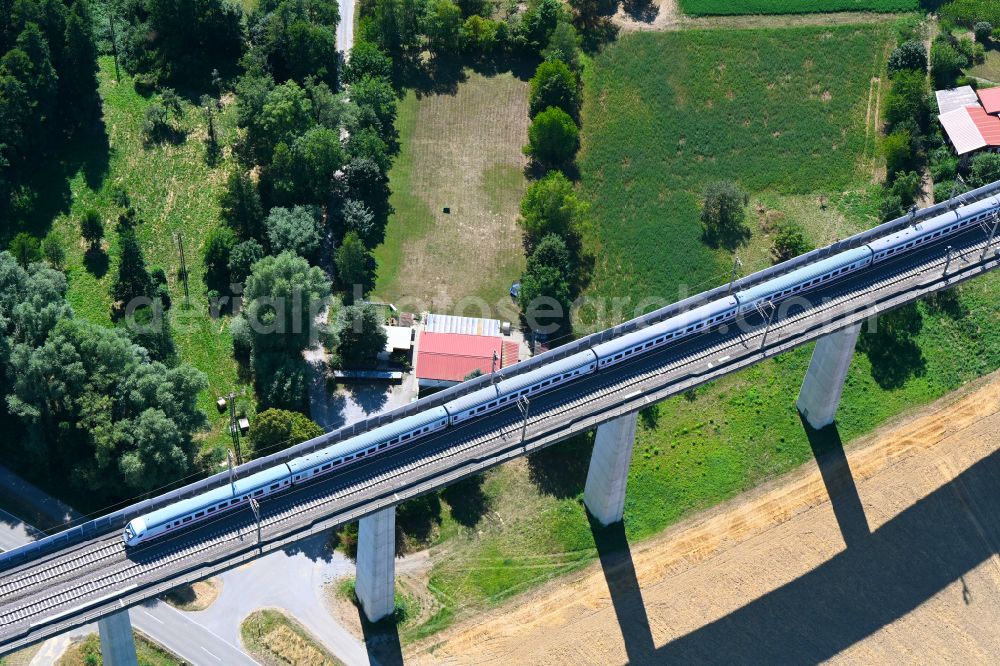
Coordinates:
x,y
370,397
645,11
466,500
888,343
561,469
318,548
946,302
96,261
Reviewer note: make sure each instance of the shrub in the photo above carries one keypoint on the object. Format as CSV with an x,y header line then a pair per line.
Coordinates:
x,y
723,214
789,242
983,31
906,186
294,229
909,55
897,148
554,85
946,64
53,250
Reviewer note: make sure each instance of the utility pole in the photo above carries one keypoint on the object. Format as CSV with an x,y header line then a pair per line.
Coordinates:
x,y
524,405
737,264
232,482
184,273
256,513
114,45
234,426
993,231
947,261
770,317
493,368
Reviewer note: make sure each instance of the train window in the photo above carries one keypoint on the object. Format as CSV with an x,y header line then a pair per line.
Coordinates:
x,y
383,445
326,466
259,492
176,523
493,404
199,514
274,486
360,455
186,519
649,344
546,382
348,458
210,509
628,352
405,437
618,356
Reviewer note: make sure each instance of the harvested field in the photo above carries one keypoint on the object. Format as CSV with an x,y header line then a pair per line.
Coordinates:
x,y
900,565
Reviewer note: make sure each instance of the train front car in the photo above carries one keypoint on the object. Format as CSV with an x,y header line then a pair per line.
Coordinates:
x,y
135,531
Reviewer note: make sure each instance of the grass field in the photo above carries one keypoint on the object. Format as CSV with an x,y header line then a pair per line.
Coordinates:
x,y
174,191
463,152
737,7
88,653
989,70
971,11
785,112
275,639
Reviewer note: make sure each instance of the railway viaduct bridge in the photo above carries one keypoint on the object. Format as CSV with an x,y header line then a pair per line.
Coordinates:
x,y
84,574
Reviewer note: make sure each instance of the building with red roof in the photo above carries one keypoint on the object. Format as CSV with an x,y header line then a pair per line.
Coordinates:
x,y
972,124
445,359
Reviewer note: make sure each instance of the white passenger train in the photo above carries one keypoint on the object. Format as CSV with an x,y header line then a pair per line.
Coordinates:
x,y
303,469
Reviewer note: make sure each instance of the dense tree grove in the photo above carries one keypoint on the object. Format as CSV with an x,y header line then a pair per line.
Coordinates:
x,y
48,94
95,409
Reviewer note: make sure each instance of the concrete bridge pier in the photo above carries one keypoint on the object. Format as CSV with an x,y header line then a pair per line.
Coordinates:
x,y
375,583
117,645
607,477
824,382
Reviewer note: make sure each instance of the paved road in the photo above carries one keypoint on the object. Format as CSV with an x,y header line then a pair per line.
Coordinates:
x,y
291,579
440,459
345,29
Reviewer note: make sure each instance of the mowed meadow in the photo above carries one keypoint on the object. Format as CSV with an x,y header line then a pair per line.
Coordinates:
x,y
785,111
738,7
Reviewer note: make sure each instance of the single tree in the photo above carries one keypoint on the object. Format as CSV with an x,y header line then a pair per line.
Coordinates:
x,y
789,242
723,214
242,258
359,219
443,26
282,297
24,248
367,59
241,206
92,229
553,138
983,31
294,230
132,280
362,334
377,95
276,429
946,64
303,172
53,250
354,264
215,254
550,206
553,85
547,274
564,45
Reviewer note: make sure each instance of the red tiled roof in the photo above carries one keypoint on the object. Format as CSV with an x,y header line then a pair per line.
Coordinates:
x,y
452,356
510,353
990,97
988,126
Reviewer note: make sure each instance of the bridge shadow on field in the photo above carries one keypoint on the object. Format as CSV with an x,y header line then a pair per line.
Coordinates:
x,y
876,580
828,450
626,595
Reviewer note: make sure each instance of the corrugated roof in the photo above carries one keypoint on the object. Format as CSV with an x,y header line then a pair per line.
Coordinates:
x,y
437,323
452,356
990,99
962,131
511,351
955,98
988,126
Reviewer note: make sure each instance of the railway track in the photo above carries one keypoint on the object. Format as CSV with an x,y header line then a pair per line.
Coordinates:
x,y
19,608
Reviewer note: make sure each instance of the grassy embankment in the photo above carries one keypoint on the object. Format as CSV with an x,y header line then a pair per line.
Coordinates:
x,y
88,652
174,192
732,8
460,151
788,114
275,639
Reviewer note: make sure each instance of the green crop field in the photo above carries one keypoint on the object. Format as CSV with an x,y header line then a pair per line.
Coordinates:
x,y
175,192
737,7
969,12
785,111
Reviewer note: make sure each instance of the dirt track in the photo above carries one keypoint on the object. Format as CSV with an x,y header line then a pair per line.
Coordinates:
x,y
902,564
